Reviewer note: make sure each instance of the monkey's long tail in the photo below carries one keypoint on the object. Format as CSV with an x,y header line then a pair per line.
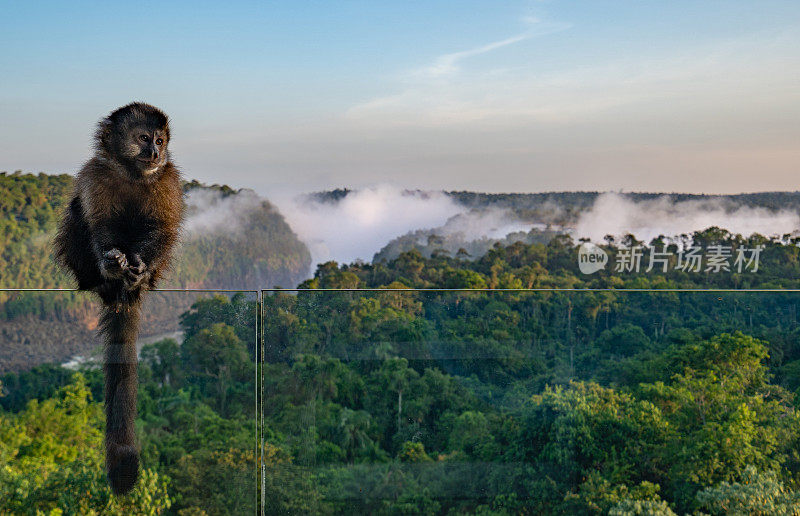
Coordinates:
x,y
120,327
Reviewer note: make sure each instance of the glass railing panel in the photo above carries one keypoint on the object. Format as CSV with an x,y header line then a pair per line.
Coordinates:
x,y
196,425
407,401
518,402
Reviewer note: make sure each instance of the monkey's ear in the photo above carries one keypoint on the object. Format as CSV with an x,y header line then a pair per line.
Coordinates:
x,y
103,134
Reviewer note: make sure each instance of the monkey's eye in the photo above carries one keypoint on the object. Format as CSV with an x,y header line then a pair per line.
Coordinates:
x,y
144,138
159,141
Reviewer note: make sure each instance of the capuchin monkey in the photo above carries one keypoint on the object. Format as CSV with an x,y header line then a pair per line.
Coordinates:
x,y
116,237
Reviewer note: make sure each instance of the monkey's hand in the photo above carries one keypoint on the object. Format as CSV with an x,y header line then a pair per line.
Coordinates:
x,y
113,264
136,272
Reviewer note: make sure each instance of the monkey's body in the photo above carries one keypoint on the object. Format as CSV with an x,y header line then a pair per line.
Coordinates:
x,y
135,218
116,237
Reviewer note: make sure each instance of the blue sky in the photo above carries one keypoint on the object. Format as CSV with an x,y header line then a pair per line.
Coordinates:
x,y
496,96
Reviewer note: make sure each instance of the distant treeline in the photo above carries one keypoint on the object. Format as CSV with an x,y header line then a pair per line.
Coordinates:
x,y
575,202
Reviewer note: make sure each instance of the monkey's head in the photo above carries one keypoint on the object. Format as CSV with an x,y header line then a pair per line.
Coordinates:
x,y
136,136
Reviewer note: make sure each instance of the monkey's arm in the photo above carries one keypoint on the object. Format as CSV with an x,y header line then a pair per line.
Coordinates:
x,y
102,242
155,249
153,254
96,213
111,261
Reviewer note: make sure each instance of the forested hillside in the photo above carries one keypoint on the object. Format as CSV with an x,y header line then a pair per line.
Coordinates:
x,y
460,245
29,208
263,253
233,240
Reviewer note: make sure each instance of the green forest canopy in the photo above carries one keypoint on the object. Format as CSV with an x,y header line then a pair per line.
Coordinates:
x,y
448,402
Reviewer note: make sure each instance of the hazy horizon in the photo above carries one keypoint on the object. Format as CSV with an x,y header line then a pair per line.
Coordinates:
x,y
284,192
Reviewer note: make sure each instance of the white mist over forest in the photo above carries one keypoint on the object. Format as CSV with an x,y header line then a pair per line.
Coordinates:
x,y
210,211
617,215
359,224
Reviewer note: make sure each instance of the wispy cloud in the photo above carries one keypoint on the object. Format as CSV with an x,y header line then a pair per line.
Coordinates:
x,y
448,64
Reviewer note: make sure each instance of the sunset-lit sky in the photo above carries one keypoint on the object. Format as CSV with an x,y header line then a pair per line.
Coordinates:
x,y
699,96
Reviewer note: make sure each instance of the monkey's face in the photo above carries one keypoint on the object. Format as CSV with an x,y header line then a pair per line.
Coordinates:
x,y
135,136
145,148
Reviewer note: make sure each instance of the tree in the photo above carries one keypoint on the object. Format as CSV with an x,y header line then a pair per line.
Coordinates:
x,y
413,452
755,494
354,426
220,360
51,461
584,431
471,435
725,415
395,376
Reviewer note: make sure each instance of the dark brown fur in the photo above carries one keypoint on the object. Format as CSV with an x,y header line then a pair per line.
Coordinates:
x,y
117,237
